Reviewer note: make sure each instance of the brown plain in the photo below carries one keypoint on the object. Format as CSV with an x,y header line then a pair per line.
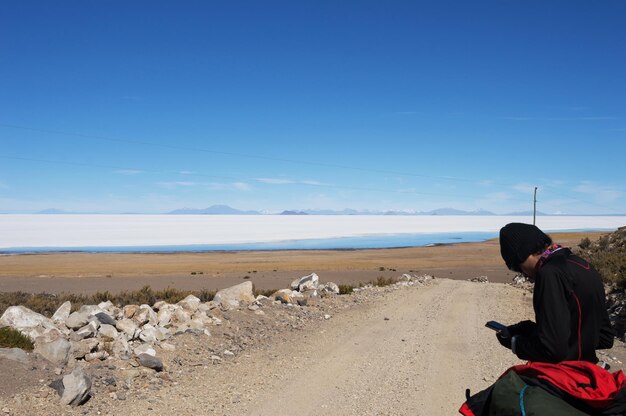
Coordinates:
x,y
92,272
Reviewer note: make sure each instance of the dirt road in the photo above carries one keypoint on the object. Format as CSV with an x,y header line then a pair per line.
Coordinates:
x,y
413,351
413,354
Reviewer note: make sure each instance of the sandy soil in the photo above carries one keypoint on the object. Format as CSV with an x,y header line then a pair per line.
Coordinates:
x,y
83,272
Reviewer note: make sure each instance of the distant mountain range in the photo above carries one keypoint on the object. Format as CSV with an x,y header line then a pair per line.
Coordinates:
x,y
212,210
228,210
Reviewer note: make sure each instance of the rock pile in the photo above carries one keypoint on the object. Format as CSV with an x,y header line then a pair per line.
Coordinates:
x,y
94,333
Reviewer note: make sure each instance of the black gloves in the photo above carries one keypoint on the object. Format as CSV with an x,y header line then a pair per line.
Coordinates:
x,y
504,338
525,328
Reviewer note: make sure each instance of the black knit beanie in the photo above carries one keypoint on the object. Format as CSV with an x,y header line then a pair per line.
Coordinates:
x,y
518,241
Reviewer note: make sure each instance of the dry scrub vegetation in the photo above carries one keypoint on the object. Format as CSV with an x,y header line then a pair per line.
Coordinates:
x,y
607,255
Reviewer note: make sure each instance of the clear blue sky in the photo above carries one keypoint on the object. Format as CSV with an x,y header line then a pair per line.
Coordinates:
x,y
151,106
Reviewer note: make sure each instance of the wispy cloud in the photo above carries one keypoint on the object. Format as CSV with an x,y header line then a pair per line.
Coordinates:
x,y
281,181
238,186
3,185
185,172
176,184
275,181
524,188
599,193
128,171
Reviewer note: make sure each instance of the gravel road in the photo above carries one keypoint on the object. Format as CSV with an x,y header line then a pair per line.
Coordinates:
x,y
413,353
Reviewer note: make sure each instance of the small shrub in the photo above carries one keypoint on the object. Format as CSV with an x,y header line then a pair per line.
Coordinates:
x,y
12,338
345,289
384,281
585,243
381,269
263,292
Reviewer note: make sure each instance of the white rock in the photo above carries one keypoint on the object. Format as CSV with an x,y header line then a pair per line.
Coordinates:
x,y
98,355
81,348
164,316
160,305
106,306
128,327
77,386
56,351
63,312
330,288
144,349
234,295
148,334
77,320
307,282
181,316
190,303
108,331
26,321
88,331
145,314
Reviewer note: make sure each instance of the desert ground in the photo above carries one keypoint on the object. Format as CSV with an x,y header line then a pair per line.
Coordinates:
x,y
92,272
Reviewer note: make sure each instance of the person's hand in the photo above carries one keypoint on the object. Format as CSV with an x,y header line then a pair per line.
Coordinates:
x,y
504,338
521,328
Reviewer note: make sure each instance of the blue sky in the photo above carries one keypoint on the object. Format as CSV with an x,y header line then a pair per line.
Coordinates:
x,y
152,106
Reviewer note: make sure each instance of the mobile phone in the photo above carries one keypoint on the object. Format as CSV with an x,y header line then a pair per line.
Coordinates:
x,y
496,326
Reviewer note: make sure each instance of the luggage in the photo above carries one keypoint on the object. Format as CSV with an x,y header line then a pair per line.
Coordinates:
x,y
573,388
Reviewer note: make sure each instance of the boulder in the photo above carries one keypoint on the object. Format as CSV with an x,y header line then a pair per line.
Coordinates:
x,y
150,361
233,296
190,303
62,313
77,320
307,282
105,319
329,288
14,354
56,351
76,388
148,334
108,332
144,349
144,315
106,306
164,316
88,331
160,305
283,295
81,348
129,311
181,316
128,327
26,321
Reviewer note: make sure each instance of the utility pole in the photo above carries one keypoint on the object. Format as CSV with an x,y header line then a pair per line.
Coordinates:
x,y
535,206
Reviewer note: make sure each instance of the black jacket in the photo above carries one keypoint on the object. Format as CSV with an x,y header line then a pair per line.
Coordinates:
x,y
570,312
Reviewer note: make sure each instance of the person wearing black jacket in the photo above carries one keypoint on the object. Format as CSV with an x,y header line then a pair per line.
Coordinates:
x,y
571,320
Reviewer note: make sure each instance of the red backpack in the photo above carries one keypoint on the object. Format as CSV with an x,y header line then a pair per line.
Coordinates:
x,y
581,384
